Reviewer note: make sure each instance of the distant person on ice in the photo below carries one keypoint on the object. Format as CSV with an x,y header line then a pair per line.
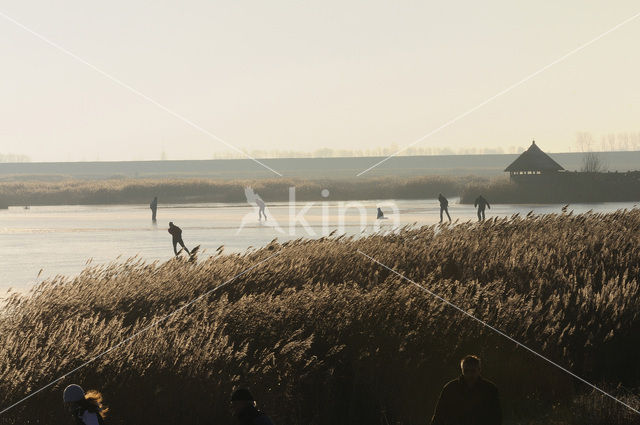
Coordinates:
x,y
245,411
481,204
254,197
154,208
261,207
468,400
380,214
176,235
86,409
444,207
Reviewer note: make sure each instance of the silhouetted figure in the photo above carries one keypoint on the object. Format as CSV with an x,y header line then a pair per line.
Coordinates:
x,y
481,204
261,207
86,409
254,197
154,208
380,214
176,235
245,411
444,206
468,400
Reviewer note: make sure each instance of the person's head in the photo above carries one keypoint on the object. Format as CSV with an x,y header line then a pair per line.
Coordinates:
x,y
171,224
72,396
241,399
471,367
75,398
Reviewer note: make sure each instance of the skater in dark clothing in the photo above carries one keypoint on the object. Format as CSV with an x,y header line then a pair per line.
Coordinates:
x,y
261,207
176,235
154,208
380,214
444,207
254,197
245,411
86,409
481,204
468,400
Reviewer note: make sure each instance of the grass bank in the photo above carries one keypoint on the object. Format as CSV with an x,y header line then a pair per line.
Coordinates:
x,y
325,336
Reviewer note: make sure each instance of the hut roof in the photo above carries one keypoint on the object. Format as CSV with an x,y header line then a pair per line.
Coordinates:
x,y
533,159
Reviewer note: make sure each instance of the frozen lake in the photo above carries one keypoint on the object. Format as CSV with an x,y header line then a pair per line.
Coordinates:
x,y
61,239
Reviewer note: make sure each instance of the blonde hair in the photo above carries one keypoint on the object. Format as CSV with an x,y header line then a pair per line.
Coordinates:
x,y
93,402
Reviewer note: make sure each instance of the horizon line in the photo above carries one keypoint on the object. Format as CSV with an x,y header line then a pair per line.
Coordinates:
x,y
307,157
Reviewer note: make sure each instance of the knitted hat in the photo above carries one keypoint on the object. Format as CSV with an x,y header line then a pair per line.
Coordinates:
x,y
73,393
242,394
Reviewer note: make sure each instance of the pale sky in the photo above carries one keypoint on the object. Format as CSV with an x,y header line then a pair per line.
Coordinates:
x,y
303,75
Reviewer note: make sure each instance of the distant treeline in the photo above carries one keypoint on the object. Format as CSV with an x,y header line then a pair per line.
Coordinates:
x,y
12,157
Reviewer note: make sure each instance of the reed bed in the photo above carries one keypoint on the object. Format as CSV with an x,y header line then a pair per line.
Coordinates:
x,y
141,191
323,335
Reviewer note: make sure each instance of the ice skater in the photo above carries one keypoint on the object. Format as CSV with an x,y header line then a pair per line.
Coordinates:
x,y
481,204
261,207
154,208
253,197
444,207
381,214
176,235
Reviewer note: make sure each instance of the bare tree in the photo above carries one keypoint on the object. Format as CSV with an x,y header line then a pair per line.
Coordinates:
x,y
635,141
612,141
593,163
584,141
12,157
603,143
623,141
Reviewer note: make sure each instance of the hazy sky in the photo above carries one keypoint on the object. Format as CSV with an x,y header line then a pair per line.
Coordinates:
x,y
309,74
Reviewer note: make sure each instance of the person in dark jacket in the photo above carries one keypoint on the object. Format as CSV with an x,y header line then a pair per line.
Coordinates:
x,y
468,400
245,410
481,204
176,235
154,208
444,206
261,207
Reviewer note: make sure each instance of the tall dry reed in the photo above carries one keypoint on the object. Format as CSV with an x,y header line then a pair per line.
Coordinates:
x,y
323,335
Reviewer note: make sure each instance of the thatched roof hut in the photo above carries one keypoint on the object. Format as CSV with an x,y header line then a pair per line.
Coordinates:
x,y
533,161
